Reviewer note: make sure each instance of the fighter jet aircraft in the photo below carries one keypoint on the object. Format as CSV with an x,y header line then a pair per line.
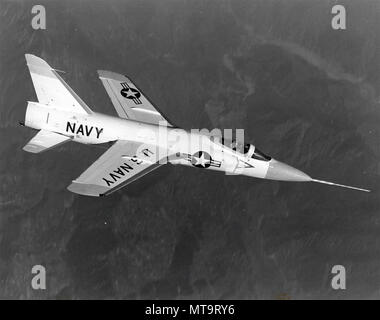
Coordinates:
x,y
142,138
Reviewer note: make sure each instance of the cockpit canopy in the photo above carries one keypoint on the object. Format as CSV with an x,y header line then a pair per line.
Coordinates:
x,y
255,153
249,150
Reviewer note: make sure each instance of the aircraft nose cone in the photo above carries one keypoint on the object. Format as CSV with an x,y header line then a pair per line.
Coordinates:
x,y
283,172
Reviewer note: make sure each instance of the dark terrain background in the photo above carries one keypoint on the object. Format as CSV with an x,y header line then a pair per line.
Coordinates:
x,y
304,93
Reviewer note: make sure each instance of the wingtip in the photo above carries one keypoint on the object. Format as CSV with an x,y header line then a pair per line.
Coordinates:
x,y
105,74
86,189
101,72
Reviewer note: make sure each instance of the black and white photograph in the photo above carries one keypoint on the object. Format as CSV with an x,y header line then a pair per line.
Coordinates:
x,y
203,151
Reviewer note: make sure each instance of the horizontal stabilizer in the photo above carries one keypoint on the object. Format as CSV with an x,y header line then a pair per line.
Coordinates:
x,y
45,140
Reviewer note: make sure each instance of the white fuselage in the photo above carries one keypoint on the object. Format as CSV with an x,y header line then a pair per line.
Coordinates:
x,y
97,128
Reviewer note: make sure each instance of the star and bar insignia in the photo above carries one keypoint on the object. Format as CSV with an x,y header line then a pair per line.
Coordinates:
x,y
130,93
202,159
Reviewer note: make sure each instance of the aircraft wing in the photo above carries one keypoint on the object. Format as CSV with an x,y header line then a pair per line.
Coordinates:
x,y
120,165
128,100
45,140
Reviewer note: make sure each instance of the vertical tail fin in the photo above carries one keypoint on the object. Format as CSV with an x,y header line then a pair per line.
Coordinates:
x,y
51,89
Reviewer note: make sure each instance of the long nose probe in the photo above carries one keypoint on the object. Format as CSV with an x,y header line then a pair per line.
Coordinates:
x,y
340,185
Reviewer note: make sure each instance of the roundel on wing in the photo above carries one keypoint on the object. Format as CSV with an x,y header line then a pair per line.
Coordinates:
x,y
201,159
130,93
